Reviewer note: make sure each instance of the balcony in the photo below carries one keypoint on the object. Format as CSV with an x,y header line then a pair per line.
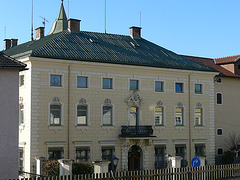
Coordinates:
x,y
136,131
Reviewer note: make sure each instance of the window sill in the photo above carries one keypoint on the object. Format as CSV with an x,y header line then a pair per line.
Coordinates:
x,y
51,127
107,127
82,127
179,127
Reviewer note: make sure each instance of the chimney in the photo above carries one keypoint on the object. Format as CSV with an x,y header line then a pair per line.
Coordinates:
x,y
135,32
39,33
14,42
7,43
74,25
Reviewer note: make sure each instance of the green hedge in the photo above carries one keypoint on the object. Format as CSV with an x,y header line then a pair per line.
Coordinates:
x,y
82,168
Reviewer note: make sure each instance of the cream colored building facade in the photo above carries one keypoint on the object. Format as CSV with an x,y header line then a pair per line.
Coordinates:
x,y
90,109
227,85
37,135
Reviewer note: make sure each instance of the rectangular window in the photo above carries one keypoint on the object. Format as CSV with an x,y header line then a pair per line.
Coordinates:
x,y
55,113
21,114
107,116
21,80
160,160
55,153
158,86
82,82
200,150
81,115
198,117
179,87
107,83
108,153
180,150
159,116
82,154
55,80
198,88
134,85
179,116
20,160
219,98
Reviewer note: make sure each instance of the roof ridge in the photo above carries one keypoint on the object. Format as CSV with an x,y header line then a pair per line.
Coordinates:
x,y
228,56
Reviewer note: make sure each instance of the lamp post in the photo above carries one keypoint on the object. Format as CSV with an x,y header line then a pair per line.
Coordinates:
x,y
115,163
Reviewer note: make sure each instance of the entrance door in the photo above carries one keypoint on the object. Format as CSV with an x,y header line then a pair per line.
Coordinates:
x,y
134,158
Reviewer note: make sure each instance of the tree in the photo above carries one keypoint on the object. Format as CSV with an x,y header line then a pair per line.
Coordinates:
x,y
233,149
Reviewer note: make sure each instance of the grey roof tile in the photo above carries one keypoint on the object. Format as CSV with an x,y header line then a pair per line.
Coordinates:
x,y
105,48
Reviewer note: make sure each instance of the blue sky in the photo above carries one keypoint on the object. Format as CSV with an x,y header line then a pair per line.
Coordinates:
x,y
206,28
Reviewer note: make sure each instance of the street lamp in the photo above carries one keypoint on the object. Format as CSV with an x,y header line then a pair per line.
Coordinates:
x,y
115,162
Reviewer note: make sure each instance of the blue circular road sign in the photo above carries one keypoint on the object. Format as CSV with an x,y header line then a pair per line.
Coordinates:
x,y
195,162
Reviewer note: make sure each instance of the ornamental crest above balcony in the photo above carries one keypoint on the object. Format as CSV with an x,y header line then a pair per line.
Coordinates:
x,y
134,99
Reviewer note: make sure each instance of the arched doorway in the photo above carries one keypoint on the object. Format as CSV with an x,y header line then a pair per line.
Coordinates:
x,y
134,158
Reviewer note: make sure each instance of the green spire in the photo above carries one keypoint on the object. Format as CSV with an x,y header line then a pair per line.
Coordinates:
x,y
61,23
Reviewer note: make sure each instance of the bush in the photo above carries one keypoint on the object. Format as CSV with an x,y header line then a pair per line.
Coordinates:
x,y
82,168
50,168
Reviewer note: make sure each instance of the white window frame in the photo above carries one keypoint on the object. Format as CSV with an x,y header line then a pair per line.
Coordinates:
x,y
57,74
183,120
155,86
221,97
163,116
135,79
88,116
62,115
84,77
202,116
202,87
112,83
55,146
179,82
113,117
20,80
217,132
83,147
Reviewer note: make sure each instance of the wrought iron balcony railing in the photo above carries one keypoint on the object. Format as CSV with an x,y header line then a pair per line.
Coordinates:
x,y
136,131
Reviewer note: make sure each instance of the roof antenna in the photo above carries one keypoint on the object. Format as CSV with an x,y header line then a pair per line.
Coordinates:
x,y
32,24
68,10
44,21
140,19
105,16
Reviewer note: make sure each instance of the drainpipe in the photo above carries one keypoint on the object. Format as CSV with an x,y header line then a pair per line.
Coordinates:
x,y
189,117
69,90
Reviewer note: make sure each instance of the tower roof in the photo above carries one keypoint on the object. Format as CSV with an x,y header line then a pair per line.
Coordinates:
x,y
60,23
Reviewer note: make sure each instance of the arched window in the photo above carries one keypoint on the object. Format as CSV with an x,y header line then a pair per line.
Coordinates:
x,y
82,117
107,113
179,116
158,113
55,115
198,116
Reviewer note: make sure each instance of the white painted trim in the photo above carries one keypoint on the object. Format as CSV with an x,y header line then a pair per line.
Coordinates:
x,y
164,86
88,117
163,118
80,75
107,76
113,117
222,98
56,72
62,116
